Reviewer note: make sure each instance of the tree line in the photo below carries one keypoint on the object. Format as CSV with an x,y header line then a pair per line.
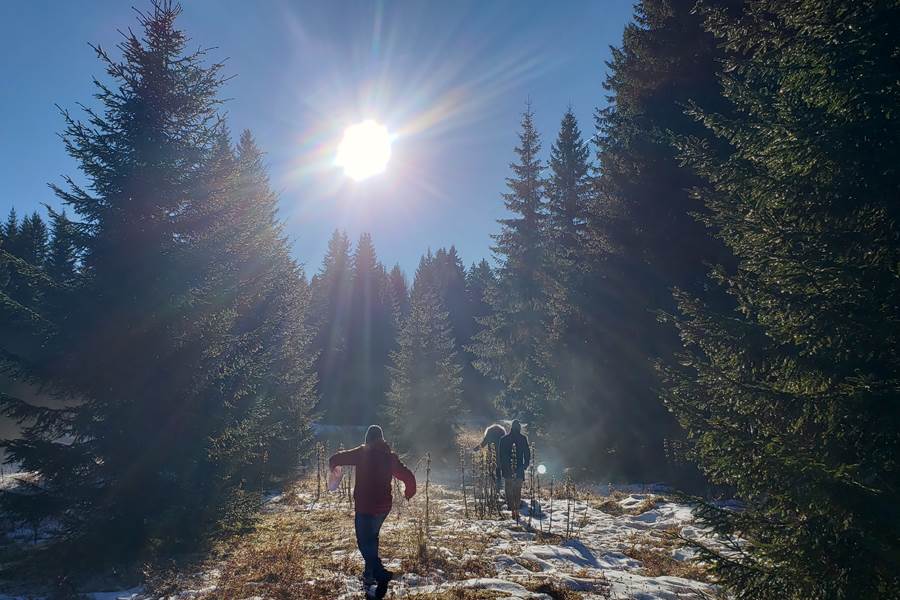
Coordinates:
x,y
711,278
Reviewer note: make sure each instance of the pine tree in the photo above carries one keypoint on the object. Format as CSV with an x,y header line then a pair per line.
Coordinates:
x,y
512,347
25,241
450,283
478,389
479,279
186,310
568,281
23,286
370,335
273,304
62,256
399,293
11,228
567,195
426,379
32,240
790,396
640,240
329,316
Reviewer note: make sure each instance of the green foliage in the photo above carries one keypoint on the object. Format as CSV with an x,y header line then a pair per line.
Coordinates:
x,y
329,318
168,336
620,238
356,311
511,346
790,396
426,378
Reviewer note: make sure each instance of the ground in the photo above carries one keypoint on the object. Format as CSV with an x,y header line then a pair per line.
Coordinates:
x,y
617,544
580,541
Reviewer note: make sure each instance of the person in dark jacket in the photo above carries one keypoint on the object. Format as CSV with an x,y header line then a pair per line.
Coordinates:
x,y
514,457
491,438
376,465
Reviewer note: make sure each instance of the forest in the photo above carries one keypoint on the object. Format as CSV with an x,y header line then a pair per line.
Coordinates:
x,y
700,287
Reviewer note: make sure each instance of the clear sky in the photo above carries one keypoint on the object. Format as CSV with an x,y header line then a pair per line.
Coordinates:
x,y
449,78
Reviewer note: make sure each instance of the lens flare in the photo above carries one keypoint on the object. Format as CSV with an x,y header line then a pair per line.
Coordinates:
x,y
542,470
364,151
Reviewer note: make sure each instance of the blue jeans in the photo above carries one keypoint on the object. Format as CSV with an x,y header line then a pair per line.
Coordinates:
x,y
367,529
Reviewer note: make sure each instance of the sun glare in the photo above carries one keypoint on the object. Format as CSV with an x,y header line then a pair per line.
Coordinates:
x,y
364,151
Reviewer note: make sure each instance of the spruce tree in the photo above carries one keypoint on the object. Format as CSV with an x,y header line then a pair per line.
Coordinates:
x,y
450,283
568,187
329,316
640,240
399,293
790,397
370,336
62,256
26,241
568,191
173,358
512,347
479,390
426,379
267,427
31,240
9,229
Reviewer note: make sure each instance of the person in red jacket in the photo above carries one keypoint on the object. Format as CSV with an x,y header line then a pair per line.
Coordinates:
x,y
376,465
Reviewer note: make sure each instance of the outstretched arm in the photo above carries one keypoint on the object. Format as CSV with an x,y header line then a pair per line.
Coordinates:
x,y
401,472
348,457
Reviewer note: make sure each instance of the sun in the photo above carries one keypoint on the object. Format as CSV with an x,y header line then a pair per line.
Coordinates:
x,y
364,151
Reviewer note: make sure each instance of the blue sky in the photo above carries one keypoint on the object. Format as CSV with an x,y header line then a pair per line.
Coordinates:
x,y
449,78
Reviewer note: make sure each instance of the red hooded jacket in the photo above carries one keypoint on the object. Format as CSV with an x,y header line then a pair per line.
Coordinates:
x,y
375,466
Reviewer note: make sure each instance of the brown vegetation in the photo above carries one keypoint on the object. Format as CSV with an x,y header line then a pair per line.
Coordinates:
x,y
655,553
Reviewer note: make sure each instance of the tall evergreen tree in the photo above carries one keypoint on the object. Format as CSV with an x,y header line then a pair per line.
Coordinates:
x,y
159,354
450,283
62,256
478,389
512,345
25,241
11,227
641,240
568,188
479,279
269,336
399,293
370,335
330,318
31,240
426,379
791,396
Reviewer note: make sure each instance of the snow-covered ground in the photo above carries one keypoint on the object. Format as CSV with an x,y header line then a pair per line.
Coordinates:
x,y
601,558
593,561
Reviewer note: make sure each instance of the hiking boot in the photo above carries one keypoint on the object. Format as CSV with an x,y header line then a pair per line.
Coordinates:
x,y
383,582
386,576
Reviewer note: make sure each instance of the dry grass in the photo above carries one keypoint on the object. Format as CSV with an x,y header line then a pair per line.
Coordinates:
x,y
462,551
610,504
552,588
297,551
599,587
655,553
300,551
457,594
648,503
